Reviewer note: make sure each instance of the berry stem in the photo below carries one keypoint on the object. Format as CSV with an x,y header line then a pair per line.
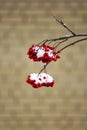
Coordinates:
x,y
73,43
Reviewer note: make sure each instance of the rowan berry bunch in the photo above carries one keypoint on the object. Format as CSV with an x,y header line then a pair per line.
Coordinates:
x,y
39,80
43,53
46,52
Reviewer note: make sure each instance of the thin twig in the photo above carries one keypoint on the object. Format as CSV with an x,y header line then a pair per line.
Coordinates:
x,y
44,68
64,25
73,43
43,41
60,43
65,37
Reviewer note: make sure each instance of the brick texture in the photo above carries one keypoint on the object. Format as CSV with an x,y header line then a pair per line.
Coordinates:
x,y
63,107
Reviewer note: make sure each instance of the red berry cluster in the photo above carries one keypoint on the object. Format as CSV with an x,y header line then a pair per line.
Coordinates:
x,y
43,53
46,54
39,80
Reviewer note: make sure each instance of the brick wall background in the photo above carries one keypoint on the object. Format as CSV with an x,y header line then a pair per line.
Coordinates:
x,y
63,107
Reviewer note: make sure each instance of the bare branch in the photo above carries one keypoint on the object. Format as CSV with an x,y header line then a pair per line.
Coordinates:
x,y
64,37
57,41
64,25
60,43
73,43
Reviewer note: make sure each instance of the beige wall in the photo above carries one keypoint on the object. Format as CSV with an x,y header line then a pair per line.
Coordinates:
x,y
63,107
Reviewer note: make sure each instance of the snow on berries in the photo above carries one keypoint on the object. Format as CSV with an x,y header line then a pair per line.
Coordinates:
x,y
42,53
46,54
38,80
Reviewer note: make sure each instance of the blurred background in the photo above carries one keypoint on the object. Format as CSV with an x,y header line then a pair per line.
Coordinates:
x,y
63,107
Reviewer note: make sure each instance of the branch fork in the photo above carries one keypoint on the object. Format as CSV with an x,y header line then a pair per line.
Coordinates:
x,y
47,51
58,41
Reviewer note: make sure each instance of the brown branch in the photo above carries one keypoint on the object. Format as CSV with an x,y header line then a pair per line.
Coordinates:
x,y
60,43
43,68
63,39
73,43
64,25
